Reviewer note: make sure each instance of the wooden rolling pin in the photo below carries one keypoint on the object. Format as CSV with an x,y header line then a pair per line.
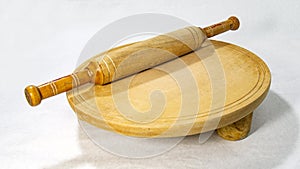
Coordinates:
x,y
110,67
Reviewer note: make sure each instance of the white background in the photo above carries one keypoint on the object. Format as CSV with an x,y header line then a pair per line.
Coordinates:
x,y
41,40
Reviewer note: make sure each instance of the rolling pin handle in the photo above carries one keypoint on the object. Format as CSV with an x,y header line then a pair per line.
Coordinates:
x,y
231,23
235,23
33,95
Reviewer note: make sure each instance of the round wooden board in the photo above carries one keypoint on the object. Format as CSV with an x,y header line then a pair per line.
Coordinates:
x,y
215,86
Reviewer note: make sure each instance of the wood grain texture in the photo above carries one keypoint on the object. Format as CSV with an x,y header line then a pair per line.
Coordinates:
x,y
247,81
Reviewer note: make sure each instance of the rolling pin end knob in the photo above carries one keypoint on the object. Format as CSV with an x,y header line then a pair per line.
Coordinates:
x,y
33,95
235,23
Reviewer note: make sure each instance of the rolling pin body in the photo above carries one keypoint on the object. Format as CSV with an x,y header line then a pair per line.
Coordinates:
x,y
129,59
139,56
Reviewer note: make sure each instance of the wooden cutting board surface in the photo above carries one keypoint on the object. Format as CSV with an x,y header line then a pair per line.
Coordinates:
x,y
210,88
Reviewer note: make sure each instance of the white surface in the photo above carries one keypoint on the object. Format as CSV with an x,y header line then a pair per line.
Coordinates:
x,y
41,40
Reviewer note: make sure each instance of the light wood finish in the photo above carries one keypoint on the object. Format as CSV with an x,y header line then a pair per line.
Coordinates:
x,y
247,81
237,130
129,59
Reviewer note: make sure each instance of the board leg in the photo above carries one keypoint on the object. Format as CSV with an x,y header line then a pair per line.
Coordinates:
x,y
237,130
